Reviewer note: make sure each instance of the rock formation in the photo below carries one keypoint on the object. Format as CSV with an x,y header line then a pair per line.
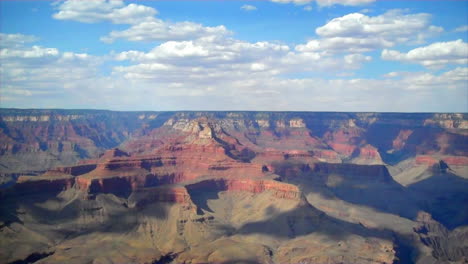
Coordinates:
x,y
232,187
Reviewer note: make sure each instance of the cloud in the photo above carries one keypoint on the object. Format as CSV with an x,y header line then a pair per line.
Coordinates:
x,y
435,55
33,52
297,2
357,32
156,29
356,58
327,2
344,2
248,8
218,73
114,11
31,70
422,81
307,8
144,25
217,60
205,68
13,40
462,28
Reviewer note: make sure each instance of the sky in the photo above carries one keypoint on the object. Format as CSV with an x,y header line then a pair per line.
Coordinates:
x,y
270,55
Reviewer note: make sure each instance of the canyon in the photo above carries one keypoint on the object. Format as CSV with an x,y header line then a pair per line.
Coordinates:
x,y
96,186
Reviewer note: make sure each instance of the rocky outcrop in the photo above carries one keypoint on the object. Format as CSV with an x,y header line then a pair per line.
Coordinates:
x,y
279,189
170,194
42,185
366,173
445,245
400,141
370,153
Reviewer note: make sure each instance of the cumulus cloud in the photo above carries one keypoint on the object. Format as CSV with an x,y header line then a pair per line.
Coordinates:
x,y
327,2
248,8
217,60
218,74
205,68
144,25
435,55
30,70
156,29
357,32
114,11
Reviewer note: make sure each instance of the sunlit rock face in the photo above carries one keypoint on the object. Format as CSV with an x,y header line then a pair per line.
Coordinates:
x,y
232,187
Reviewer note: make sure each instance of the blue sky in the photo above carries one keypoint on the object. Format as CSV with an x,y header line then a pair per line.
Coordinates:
x,y
282,55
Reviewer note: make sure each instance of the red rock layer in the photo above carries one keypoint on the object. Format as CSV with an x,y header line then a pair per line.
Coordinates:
x,y
425,160
450,160
400,141
369,152
456,161
168,165
342,148
327,155
76,170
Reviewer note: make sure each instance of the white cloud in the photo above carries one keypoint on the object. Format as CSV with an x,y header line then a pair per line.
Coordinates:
x,y
462,28
32,70
33,52
453,79
114,11
356,58
307,8
220,59
357,32
156,29
297,2
344,44
144,25
227,74
12,40
433,56
248,8
327,2
344,2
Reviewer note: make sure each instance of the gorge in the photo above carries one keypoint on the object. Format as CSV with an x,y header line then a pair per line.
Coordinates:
x,y
96,186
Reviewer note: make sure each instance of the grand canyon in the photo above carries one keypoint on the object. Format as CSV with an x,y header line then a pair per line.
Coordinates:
x,y
92,186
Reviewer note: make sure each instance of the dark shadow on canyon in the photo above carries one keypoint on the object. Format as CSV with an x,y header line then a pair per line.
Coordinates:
x,y
200,199
445,197
380,192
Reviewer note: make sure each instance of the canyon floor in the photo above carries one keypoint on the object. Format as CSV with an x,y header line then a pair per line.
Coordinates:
x,y
90,186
